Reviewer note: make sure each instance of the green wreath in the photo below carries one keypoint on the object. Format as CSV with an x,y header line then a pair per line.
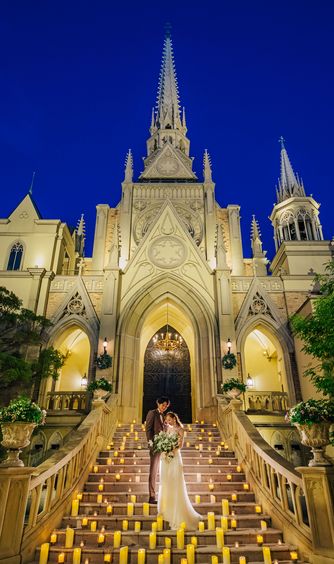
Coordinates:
x,y
104,361
229,361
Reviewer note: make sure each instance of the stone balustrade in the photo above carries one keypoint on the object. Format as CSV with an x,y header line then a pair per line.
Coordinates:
x,y
63,401
266,401
33,500
300,501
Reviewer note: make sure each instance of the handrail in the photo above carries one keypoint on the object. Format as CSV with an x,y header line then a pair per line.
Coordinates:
x,y
55,481
276,483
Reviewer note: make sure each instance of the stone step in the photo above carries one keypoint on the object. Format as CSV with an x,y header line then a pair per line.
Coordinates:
x,y
190,477
144,467
141,486
87,507
186,453
124,496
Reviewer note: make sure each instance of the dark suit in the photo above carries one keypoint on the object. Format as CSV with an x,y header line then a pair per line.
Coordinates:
x,y
153,425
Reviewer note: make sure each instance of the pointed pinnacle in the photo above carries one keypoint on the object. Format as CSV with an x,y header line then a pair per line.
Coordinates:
x,y
128,167
255,229
32,183
81,227
207,170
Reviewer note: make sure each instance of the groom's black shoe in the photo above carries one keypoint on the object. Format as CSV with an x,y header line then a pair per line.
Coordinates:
x,y
152,500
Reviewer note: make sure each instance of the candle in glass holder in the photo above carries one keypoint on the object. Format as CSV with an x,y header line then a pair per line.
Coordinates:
x,y
197,499
61,558
224,523
133,498
259,540
117,539
69,537
190,553
76,556
137,526
109,509
44,553
226,555
168,542
153,540
123,555
233,524
141,556
93,526
201,526
225,507
266,555
146,509
219,537
180,539
125,524
53,538
211,521
75,508
264,525
100,538
107,557
160,523
130,509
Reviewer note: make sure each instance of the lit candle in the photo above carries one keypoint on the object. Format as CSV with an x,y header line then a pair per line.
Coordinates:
x,y
166,555
210,461
141,556
100,538
233,524
133,498
115,453
109,509
234,497
294,555
212,499
224,523
146,509
121,460
100,487
79,496
61,558
53,538
130,508
259,540
187,444
75,508
198,477
238,468
180,539
84,522
137,526
211,521
107,557
69,537
201,526
109,461
190,553
117,477
194,541
123,555
219,537
76,556
183,525
183,561
153,540
246,487
93,526
258,509
214,559
266,555
226,555
160,523
200,446
96,469
229,477
154,527
99,498
197,499
211,487
44,553
161,558
168,542
137,479
264,525
125,524
117,539
242,559
225,507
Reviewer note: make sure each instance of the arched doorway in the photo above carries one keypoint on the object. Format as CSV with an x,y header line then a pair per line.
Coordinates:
x,y
74,343
167,373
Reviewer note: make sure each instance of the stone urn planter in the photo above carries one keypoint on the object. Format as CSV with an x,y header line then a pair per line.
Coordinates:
x,y
234,393
100,394
16,436
315,436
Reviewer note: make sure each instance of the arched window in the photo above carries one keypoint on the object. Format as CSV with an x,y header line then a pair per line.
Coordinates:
x,y
15,256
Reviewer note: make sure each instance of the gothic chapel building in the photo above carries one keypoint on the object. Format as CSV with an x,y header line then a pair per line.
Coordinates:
x,y
169,256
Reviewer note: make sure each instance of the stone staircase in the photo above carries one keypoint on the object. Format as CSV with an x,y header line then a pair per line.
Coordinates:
x,y
112,511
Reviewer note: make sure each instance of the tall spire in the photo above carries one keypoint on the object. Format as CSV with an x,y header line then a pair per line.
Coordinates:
x,y
168,103
128,177
207,170
32,183
259,255
289,184
80,236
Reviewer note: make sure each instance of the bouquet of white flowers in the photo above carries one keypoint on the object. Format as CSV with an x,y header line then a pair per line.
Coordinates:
x,y
165,443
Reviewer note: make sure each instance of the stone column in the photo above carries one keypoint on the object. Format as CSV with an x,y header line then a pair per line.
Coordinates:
x,y
235,239
14,491
318,485
37,276
100,236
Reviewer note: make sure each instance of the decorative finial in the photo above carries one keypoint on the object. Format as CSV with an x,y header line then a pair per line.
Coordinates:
x,y
207,171
32,183
128,167
281,141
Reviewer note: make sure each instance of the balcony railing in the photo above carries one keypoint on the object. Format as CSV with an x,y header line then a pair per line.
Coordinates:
x,y
266,401
67,401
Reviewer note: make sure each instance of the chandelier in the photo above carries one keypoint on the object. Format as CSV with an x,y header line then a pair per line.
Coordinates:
x,y
167,341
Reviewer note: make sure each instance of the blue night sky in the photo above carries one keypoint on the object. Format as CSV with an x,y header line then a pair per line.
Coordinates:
x,y
79,79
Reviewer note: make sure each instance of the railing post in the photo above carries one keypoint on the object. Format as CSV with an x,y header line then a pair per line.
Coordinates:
x,y
14,491
318,485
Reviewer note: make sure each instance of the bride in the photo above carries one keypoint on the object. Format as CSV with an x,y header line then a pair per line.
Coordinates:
x,y
173,501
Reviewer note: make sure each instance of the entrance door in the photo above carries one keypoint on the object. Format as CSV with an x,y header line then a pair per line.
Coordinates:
x,y
168,374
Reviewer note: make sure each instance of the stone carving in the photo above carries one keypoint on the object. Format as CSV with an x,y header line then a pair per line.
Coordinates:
x,y
167,252
75,306
65,284
259,306
24,215
168,166
139,205
243,284
190,219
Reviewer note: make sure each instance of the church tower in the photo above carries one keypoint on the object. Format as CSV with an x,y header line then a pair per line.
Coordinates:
x,y
296,223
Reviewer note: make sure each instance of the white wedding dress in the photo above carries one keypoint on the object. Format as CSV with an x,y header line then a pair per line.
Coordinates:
x,y
173,502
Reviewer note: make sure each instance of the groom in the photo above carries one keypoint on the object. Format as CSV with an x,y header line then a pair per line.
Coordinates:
x,y
154,424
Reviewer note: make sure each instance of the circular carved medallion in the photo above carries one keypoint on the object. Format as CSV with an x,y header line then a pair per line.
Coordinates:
x,y
167,252
168,166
